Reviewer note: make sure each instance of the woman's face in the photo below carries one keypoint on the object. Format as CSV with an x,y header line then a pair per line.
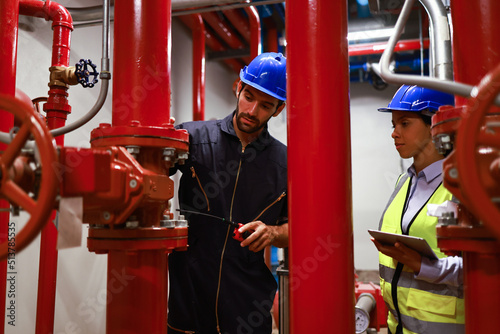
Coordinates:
x,y
411,135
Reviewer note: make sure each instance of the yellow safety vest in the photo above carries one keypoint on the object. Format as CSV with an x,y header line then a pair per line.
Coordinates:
x,y
424,307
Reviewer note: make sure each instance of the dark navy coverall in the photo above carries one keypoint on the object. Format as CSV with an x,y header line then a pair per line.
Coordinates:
x,y
216,281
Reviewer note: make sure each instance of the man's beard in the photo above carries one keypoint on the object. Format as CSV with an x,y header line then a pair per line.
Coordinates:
x,y
245,128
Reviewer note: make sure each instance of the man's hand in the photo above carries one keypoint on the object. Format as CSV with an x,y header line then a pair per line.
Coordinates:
x,y
263,235
401,253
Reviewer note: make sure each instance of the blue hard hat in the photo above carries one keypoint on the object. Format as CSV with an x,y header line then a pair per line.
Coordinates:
x,y
418,99
267,73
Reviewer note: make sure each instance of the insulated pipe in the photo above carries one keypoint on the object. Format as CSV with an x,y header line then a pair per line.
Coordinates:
x,y
440,40
320,205
142,47
9,10
198,31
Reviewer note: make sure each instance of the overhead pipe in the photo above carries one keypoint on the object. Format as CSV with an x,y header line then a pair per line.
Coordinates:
x,y
254,20
225,32
321,251
214,44
9,10
240,22
447,86
376,48
57,108
198,31
441,58
93,14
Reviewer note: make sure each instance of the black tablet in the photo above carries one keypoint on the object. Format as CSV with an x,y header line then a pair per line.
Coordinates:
x,y
415,243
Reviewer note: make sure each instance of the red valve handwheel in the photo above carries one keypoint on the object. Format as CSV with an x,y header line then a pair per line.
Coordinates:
x,y
41,208
468,138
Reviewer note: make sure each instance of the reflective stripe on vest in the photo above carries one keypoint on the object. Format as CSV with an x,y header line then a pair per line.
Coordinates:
x,y
425,307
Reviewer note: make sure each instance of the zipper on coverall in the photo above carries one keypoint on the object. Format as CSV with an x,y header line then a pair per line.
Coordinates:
x,y
227,237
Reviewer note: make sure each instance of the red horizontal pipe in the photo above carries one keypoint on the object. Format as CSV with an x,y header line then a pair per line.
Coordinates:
x,y
62,25
142,53
321,251
376,48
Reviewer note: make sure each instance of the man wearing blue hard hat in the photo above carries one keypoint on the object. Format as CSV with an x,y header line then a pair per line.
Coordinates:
x,y
236,172
423,294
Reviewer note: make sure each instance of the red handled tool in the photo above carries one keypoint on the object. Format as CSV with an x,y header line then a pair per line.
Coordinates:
x,y
236,234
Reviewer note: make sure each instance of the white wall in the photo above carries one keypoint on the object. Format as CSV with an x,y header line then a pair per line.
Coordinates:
x,y
375,166
81,300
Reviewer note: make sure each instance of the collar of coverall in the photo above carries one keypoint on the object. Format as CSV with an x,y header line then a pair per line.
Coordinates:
x,y
259,144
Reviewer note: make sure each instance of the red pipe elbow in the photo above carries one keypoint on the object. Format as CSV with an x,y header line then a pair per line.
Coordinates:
x,y
62,24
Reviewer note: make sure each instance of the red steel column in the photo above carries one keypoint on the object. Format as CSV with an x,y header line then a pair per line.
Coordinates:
x,y
319,168
9,12
476,51
142,47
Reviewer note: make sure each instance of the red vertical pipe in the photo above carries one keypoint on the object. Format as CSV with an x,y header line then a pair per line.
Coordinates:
x,y
57,109
137,292
213,43
272,35
476,51
142,47
198,31
320,200
137,280
253,17
481,288
476,47
9,12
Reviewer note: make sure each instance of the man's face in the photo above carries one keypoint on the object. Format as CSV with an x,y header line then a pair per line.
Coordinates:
x,y
254,109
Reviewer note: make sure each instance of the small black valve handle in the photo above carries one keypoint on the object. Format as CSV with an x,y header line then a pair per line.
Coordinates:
x,y
86,73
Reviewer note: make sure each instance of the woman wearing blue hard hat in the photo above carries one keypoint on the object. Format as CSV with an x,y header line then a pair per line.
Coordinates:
x,y
423,295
